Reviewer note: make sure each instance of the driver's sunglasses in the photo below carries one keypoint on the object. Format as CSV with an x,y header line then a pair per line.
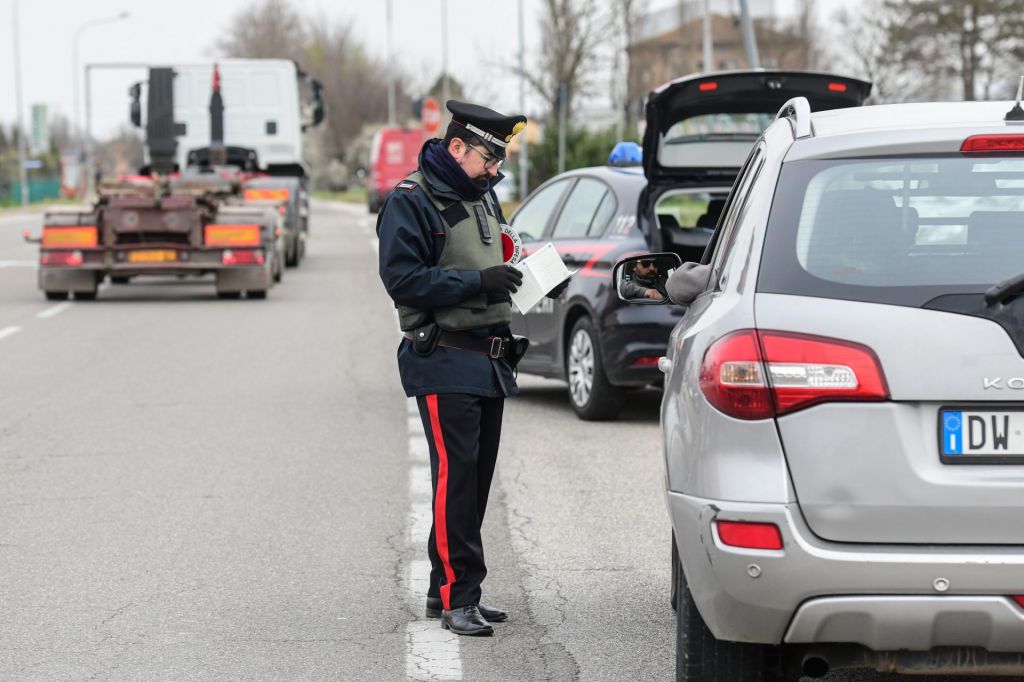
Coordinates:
x,y
489,161
646,262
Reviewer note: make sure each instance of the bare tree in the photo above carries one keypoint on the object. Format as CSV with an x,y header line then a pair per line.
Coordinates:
x,y
862,49
571,34
961,48
269,29
627,15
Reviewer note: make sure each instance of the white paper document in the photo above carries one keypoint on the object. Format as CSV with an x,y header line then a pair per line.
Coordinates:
x,y
543,270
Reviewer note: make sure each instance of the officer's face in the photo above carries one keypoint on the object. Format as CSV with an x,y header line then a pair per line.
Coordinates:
x,y
472,161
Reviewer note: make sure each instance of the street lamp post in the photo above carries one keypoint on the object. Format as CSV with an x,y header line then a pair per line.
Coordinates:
x,y
22,170
82,156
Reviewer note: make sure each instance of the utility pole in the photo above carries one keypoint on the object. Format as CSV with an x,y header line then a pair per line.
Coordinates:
x,y
445,86
391,72
562,106
749,39
524,156
22,156
709,58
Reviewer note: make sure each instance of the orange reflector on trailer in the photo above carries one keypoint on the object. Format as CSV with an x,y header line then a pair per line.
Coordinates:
x,y
231,235
58,237
256,193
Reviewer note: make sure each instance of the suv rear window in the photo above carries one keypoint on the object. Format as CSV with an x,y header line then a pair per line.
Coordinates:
x,y
895,230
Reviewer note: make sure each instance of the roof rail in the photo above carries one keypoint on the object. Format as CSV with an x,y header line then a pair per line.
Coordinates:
x,y
801,109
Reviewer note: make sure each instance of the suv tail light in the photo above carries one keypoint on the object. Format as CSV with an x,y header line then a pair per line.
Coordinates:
x,y
993,143
753,374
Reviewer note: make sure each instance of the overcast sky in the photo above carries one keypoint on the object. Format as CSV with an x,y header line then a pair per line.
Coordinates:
x,y
482,36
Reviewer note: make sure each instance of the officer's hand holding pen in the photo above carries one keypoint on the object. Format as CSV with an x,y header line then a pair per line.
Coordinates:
x,y
500,279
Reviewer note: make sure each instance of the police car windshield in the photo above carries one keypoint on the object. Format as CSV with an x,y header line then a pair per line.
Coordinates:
x,y
711,126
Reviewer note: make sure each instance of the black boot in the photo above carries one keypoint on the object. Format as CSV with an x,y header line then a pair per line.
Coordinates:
x,y
490,614
466,620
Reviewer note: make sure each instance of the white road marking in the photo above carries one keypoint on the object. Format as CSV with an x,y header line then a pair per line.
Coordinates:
x,y
431,652
53,312
9,331
18,264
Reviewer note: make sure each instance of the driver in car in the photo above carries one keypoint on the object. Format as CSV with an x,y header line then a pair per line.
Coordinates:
x,y
647,281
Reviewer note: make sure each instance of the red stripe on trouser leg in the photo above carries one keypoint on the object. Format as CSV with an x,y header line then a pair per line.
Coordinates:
x,y
440,501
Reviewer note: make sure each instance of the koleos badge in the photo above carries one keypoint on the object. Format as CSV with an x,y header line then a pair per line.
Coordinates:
x,y
511,244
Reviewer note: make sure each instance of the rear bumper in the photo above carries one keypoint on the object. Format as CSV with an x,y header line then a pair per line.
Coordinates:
x,y
884,597
100,262
632,341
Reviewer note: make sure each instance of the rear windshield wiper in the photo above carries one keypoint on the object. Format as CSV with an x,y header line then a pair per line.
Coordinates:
x,y
1005,290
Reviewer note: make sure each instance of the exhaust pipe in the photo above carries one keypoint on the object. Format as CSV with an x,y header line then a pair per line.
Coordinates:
x,y
814,667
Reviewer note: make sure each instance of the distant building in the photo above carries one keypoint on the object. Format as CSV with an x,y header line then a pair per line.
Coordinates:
x,y
669,43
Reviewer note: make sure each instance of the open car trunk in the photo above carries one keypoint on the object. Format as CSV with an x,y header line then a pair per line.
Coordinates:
x,y
700,129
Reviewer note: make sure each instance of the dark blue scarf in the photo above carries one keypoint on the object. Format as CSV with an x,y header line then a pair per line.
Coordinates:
x,y
442,165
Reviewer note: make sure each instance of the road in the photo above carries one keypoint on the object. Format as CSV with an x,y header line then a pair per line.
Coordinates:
x,y
197,489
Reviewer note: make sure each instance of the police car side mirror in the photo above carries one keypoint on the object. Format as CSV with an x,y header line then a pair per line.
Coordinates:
x,y
641,280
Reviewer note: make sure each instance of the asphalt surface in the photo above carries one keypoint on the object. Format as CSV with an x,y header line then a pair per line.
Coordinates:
x,y
197,489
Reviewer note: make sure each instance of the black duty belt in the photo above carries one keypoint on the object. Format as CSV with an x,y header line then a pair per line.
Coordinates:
x,y
494,347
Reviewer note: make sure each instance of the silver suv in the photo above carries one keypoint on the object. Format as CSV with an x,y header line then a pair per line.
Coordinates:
x,y
843,417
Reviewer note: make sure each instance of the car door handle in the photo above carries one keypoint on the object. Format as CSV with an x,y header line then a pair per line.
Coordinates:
x,y
664,364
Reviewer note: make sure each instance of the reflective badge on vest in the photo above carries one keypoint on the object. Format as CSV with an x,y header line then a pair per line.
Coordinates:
x,y
511,245
406,185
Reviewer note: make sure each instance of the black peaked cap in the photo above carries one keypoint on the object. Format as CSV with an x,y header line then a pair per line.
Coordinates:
x,y
496,130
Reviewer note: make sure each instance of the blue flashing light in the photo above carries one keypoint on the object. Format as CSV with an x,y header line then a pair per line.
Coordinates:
x,y
626,154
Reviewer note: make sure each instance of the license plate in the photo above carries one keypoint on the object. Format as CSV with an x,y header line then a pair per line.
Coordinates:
x,y
153,256
981,436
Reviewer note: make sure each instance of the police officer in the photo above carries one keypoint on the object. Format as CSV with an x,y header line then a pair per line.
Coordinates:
x,y
441,262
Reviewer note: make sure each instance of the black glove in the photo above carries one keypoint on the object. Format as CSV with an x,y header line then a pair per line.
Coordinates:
x,y
557,291
501,279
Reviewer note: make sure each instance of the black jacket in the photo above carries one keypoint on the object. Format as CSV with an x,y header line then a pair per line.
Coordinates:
x,y
411,236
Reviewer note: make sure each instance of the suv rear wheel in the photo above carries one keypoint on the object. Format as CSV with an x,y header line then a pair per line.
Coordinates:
x,y
590,394
700,657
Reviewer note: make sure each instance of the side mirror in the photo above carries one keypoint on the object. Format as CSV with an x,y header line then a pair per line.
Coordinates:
x,y
135,113
27,236
642,279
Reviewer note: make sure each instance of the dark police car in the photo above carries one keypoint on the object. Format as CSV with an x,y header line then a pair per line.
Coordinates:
x,y
699,131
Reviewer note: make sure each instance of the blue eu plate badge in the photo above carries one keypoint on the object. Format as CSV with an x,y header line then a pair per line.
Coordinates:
x,y
953,433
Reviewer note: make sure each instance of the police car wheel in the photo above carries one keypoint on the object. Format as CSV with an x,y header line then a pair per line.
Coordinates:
x,y
590,394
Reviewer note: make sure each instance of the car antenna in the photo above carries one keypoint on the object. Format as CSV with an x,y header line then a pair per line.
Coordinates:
x,y
1016,113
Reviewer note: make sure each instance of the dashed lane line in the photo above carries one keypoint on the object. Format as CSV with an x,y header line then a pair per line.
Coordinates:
x,y
8,331
18,264
431,652
53,312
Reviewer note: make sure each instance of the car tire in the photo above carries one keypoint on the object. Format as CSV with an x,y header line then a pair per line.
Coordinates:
x,y
590,394
700,657
291,258
56,295
673,596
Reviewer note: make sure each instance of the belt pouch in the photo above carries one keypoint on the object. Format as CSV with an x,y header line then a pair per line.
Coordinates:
x,y
425,338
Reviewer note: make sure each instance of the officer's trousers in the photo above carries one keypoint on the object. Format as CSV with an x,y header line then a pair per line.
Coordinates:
x,y
463,433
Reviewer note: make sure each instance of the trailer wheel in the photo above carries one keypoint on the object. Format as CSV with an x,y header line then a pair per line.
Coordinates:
x,y
120,279
259,294
229,294
56,295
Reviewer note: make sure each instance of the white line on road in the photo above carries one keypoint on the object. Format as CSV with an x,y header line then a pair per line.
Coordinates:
x,y
431,652
53,312
9,331
18,264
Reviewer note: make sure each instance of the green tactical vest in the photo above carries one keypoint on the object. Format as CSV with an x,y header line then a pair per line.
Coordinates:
x,y
468,227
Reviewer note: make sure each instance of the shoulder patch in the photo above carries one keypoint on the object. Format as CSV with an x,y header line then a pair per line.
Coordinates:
x,y
406,185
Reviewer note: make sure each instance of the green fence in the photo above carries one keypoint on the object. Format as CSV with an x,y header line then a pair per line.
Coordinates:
x,y
38,190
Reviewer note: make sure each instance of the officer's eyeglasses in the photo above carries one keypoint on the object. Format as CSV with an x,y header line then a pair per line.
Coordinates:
x,y
489,161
